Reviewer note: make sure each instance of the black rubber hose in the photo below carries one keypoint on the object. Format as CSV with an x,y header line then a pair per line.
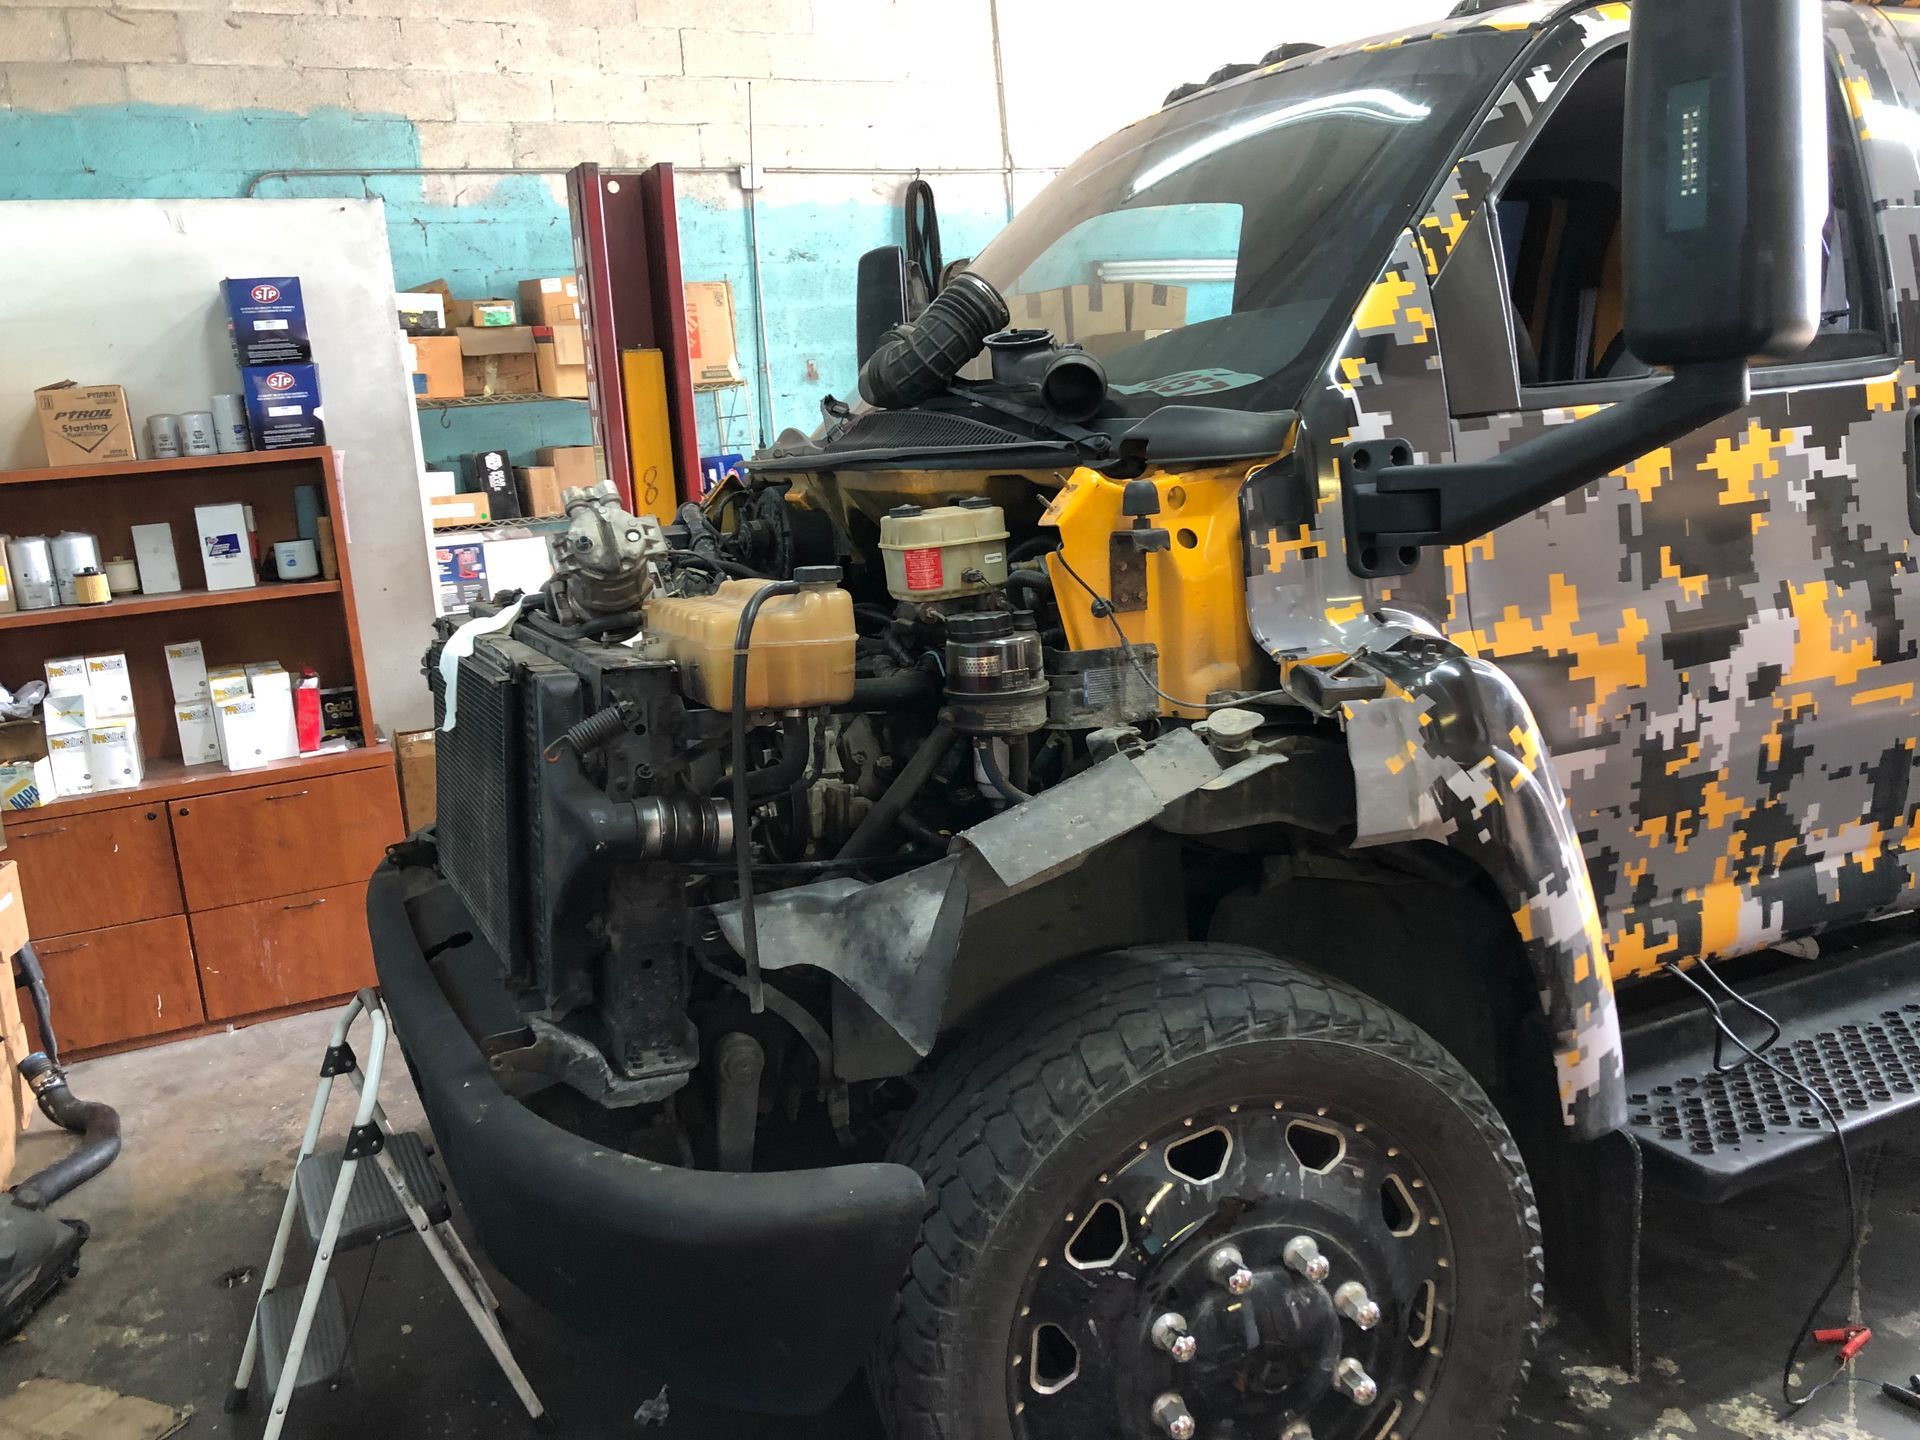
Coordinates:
x,y
918,360
785,772
996,777
715,564
1031,582
35,979
894,691
98,1127
742,811
907,784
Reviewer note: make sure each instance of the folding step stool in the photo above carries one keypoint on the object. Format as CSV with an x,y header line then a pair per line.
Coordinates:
x,y
300,1335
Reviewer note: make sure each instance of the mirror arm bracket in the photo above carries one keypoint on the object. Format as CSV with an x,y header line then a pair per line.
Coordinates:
x,y
1394,506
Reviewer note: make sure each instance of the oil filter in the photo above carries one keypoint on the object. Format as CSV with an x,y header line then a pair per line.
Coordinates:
x,y
163,437
90,588
123,576
196,433
73,551
30,558
230,431
296,560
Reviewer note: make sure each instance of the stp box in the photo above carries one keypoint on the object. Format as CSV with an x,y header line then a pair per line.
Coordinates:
x,y
268,320
283,406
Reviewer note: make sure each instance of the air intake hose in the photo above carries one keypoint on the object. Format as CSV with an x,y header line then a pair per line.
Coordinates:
x,y
97,1125
919,359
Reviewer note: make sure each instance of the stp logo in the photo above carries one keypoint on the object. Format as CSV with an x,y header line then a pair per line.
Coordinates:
x,y
279,380
266,294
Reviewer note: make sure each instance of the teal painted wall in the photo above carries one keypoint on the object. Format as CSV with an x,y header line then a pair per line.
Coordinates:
x,y
502,232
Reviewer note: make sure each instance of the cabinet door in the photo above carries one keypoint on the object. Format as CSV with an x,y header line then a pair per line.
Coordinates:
x,y
284,951
86,872
121,983
285,839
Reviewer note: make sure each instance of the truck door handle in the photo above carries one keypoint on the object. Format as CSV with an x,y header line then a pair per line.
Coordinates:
x,y
1913,469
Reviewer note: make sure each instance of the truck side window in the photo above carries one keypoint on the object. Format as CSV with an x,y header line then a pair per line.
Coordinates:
x,y
1560,230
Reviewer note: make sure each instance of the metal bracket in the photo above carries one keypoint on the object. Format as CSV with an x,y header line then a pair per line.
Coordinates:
x,y
1370,513
1126,573
364,1142
338,1061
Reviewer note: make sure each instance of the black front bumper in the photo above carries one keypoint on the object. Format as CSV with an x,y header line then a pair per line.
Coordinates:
x,y
756,1291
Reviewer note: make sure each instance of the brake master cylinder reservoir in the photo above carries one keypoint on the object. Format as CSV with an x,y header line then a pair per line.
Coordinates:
x,y
929,552
800,654
996,680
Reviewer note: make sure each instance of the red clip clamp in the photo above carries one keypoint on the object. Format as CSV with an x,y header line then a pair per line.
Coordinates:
x,y
1851,1339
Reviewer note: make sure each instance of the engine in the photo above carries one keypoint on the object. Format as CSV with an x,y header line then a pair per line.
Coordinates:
x,y
687,718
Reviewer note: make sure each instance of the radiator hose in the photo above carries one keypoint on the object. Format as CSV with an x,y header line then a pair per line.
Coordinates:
x,y
919,359
97,1125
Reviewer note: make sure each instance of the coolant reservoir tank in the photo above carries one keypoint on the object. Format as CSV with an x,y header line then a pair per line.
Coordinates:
x,y
929,552
800,654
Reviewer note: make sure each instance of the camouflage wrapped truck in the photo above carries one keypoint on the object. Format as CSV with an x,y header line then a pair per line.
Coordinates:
x,y
1157,875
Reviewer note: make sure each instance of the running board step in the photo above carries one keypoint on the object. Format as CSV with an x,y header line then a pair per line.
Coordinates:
x,y
326,1351
373,1211
1850,1031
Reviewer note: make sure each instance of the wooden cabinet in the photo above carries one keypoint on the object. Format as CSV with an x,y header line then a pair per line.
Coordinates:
x,y
285,839
270,953
121,983
86,872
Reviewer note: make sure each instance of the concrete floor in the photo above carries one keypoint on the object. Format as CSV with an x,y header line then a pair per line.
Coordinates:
x,y
157,1310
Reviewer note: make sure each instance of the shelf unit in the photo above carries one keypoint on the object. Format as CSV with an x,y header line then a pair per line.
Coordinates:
x,y
463,402
135,896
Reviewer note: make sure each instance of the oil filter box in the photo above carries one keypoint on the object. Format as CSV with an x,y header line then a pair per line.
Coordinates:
x,y
283,406
268,320
84,424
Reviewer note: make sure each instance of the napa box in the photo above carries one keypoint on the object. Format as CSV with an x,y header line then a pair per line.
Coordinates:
x,y
268,321
283,406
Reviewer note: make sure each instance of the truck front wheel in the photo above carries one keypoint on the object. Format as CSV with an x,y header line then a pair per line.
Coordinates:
x,y
1194,1190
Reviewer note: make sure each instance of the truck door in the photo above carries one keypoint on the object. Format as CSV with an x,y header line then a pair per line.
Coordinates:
x,y
1719,642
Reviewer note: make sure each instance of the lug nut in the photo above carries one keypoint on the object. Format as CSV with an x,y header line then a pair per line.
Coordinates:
x,y
1170,1334
1170,1414
1228,1267
1303,1257
1353,1379
1352,1301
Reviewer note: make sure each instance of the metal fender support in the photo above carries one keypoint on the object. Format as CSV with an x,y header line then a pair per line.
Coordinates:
x,y
1448,751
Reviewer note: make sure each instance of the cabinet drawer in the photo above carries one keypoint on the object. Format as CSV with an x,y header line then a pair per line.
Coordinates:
x,y
284,839
122,983
283,951
86,872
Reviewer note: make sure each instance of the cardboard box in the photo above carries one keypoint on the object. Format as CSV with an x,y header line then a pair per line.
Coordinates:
x,y
14,933
199,740
1042,310
1156,307
227,682
560,375
539,490
482,314
421,312
710,339
25,784
488,472
246,735
67,675
268,320
113,755
17,1103
550,302
460,575
451,510
187,670
414,753
576,465
284,410
84,424
226,549
65,715
273,698
511,374
437,373
153,552
68,761
110,685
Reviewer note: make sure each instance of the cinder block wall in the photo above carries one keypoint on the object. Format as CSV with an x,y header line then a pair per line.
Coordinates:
x,y
188,98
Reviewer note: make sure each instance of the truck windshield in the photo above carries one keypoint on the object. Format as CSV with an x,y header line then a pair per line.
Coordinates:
x,y
1207,254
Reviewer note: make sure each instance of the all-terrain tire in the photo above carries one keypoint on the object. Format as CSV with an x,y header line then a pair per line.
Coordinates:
x,y
1017,1118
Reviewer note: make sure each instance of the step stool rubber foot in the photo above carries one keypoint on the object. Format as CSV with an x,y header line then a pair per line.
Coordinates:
x,y
543,1424
236,1400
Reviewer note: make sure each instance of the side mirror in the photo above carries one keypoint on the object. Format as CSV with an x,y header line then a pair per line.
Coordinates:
x,y
881,298
1726,185
1726,194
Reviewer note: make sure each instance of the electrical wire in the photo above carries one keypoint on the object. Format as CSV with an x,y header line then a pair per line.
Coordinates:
x,y
1725,1031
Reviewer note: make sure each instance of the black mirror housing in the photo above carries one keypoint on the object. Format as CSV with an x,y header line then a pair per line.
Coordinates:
x,y
880,299
1726,180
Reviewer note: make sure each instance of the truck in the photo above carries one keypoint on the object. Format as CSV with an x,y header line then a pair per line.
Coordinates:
x,y
1345,696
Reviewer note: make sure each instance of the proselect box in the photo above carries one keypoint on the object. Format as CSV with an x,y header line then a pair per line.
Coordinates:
x,y
84,424
283,406
268,320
